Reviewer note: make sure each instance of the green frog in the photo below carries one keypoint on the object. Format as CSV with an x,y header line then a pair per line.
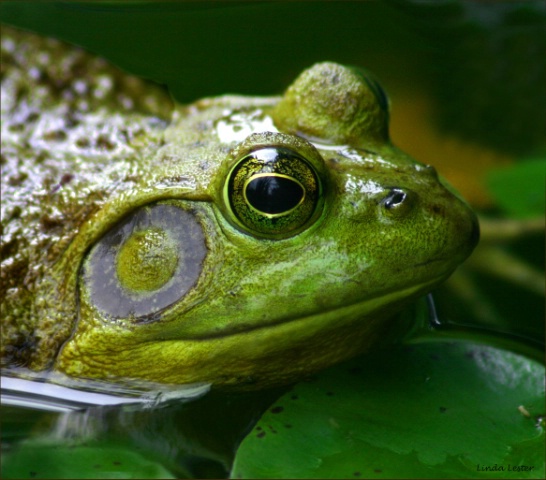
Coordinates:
x,y
238,241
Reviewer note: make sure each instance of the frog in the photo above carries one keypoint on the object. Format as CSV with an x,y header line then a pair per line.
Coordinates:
x,y
242,242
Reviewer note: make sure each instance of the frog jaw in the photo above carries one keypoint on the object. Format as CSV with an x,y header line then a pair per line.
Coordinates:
x,y
264,356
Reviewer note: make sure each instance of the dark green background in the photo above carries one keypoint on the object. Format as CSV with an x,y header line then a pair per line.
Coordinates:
x,y
484,61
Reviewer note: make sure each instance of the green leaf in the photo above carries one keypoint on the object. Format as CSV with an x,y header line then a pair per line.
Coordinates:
x,y
519,190
447,410
78,461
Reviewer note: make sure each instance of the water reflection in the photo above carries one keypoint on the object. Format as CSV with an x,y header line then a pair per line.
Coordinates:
x,y
196,439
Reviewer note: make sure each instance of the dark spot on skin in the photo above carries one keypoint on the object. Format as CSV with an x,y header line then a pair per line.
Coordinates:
x,y
288,426
272,429
258,428
436,209
32,474
330,394
261,435
48,223
82,142
16,127
43,155
55,136
356,474
278,409
32,117
377,470
13,271
116,462
131,178
21,350
67,177
17,180
9,249
104,142
443,409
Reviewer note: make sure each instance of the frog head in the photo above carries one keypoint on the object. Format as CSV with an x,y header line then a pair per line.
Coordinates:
x,y
249,243
274,237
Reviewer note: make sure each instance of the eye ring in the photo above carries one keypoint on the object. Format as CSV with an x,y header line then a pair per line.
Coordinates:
x,y
274,190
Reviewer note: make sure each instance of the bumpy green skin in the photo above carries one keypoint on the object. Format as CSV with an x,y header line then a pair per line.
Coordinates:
x,y
84,145
74,130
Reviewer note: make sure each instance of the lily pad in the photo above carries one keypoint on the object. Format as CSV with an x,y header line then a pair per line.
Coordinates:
x,y
81,461
448,410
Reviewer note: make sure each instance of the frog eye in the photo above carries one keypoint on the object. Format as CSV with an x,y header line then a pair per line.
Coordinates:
x,y
398,202
273,191
145,263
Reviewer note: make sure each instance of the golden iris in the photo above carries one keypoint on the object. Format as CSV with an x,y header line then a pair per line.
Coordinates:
x,y
273,191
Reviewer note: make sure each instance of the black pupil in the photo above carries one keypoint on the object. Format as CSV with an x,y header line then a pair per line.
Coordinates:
x,y
273,194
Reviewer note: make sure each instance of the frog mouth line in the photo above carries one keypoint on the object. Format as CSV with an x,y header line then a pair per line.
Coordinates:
x,y
428,262
381,300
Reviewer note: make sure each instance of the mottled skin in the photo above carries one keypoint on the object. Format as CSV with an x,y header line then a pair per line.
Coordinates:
x,y
84,146
65,117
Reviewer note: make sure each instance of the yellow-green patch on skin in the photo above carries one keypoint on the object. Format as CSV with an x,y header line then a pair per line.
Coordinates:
x,y
134,200
146,261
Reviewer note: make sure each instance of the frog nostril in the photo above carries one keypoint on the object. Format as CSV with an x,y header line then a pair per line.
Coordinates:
x,y
397,202
394,199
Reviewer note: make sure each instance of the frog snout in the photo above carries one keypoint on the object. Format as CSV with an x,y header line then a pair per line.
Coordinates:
x,y
465,229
